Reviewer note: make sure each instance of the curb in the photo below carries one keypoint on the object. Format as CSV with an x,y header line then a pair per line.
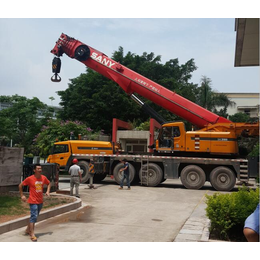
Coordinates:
x,y
194,230
196,227
21,222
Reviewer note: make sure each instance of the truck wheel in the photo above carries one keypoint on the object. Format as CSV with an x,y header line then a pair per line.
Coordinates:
x,y
163,180
154,174
222,179
84,166
193,177
119,175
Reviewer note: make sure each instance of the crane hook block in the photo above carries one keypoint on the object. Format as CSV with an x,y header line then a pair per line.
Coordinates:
x,y
56,65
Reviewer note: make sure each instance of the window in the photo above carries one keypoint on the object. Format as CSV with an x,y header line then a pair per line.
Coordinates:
x,y
167,135
138,148
176,131
60,148
129,148
247,111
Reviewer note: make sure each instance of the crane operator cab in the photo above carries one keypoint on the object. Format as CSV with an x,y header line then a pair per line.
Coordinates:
x,y
171,138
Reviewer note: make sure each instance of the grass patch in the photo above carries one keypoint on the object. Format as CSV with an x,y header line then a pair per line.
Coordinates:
x,y
12,205
54,201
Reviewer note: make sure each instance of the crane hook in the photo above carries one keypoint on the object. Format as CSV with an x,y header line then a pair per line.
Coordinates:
x,y
56,78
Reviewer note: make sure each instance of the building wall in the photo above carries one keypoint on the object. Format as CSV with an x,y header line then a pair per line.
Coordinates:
x,y
11,168
245,102
137,141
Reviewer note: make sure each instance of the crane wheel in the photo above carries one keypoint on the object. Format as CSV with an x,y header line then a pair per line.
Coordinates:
x,y
152,176
222,178
193,177
84,166
119,175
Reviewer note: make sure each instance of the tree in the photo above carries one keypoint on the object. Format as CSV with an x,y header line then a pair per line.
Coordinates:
x,y
96,100
20,121
212,100
51,99
239,117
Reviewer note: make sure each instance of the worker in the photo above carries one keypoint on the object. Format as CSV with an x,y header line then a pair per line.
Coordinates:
x,y
91,168
35,183
125,171
76,177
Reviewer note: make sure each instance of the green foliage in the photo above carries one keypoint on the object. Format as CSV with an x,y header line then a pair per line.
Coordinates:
x,y
255,150
91,98
19,122
228,212
30,155
211,100
239,117
10,205
145,126
61,131
95,100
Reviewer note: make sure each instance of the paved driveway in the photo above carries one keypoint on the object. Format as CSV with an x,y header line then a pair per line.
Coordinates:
x,y
108,214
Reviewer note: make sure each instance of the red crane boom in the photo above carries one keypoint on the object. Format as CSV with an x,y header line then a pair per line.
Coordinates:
x,y
132,82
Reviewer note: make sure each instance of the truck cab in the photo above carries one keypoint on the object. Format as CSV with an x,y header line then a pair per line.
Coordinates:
x,y
171,138
60,154
174,138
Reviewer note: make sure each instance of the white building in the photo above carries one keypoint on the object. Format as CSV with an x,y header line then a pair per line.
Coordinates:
x,y
245,103
134,141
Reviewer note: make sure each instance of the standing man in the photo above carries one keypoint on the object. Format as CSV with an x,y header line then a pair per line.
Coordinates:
x,y
91,173
76,177
35,183
125,171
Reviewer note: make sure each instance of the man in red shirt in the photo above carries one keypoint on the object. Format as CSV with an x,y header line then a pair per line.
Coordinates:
x,y
35,183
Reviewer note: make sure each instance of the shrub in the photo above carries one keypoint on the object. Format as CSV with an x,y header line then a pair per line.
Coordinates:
x,y
255,150
228,212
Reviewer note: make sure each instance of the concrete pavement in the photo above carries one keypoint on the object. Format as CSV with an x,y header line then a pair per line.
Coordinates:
x,y
162,214
196,227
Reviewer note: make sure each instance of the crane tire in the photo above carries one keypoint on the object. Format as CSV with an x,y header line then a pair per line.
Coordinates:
x,y
222,178
119,175
155,175
84,166
193,177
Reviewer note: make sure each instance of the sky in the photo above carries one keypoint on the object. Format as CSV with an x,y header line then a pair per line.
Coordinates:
x,y
27,38
25,45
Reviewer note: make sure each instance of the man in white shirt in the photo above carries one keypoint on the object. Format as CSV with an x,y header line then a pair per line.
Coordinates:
x,y
76,177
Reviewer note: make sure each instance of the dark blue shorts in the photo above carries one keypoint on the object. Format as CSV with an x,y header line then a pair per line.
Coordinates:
x,y
252,221
35,211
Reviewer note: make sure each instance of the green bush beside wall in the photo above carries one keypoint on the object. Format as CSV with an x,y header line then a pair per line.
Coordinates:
x,y
228,212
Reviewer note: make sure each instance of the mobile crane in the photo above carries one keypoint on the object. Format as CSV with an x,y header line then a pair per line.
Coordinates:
x,y
217,137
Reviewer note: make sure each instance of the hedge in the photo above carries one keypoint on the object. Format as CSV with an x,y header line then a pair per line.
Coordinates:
x,y
228,212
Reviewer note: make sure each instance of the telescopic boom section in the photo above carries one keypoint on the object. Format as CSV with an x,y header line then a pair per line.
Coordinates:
x,y
132,82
